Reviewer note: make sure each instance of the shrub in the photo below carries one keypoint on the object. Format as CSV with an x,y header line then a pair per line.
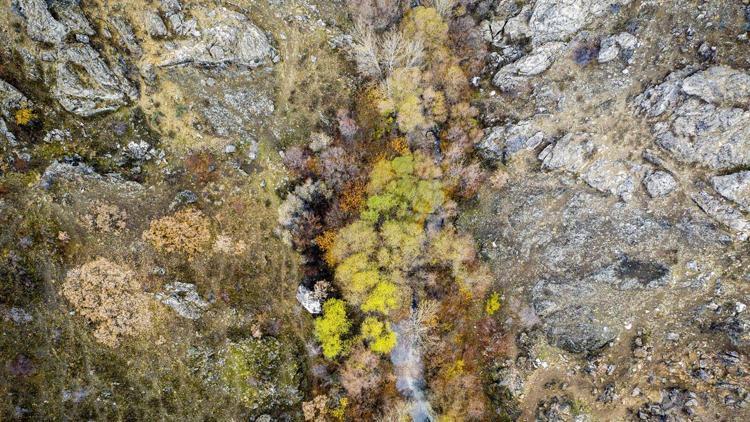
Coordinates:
x,y
24,116
187,231
105,218
331,327
263,374
110,297
492,304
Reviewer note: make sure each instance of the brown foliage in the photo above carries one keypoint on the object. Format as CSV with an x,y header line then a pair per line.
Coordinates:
x,y
361,374
110,297
187,231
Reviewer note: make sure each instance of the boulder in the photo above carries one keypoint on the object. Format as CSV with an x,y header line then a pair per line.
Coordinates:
x,y
617,177
11,100
502,142
723,213
659,183
735,187
719,85
184,299
309,300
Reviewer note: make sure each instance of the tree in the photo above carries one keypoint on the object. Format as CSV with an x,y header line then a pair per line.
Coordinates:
x,y
331,327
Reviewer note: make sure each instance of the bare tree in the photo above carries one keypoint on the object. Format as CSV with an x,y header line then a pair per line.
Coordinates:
x,y
377,56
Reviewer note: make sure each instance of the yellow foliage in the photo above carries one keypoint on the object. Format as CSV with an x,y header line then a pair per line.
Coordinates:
x,y
339,412
23,116
426,24
357,237
400,145
331,327
383,298
379,335
493,304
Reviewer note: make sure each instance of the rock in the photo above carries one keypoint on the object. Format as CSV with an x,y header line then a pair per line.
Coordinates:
x,y
735,187
719,85
573,327
6,134
11,100
556,20
723,213
517,27
613,177
673,405
673,337
608,50
309,300
737,329
555,409
40,25
701,133
231,39
627,40
154,25
126,35
512,75
492,31
183,299
570,153
58,170
659,183
502,142
72,17
100,91
656,100
18,315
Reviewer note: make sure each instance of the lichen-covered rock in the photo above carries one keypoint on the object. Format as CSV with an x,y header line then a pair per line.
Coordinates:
x,y
154,24
11,99
613,177
86,86
723,213
571,153
502,142
184,299
719,85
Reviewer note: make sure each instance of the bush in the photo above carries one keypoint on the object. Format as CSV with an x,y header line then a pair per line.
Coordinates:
x,y
110,297
331,327
187,231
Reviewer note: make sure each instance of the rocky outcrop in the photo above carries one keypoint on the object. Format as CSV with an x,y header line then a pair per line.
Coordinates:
x,y
184,299
40,24
85,85
570,153
703,126
500,143
231,39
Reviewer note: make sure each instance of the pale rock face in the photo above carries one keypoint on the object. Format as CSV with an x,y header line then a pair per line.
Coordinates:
x,y
231,39
735,187
719,85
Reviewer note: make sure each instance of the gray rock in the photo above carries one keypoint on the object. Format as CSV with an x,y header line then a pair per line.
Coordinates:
x,y
701,133
6,134
723,213
735,187
512,75
570,153
154,25
100,91
659,183
556,20
71,15
502,142
183,299
58,170
656,100
11,100
627,40
608,50
309,300
126,35
231,39
720,85
40,25
613,177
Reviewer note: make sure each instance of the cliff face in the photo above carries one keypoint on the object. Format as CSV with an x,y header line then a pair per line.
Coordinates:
x,y
584,164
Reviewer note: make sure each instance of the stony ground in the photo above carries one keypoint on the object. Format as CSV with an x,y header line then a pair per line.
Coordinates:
x,y
616,223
